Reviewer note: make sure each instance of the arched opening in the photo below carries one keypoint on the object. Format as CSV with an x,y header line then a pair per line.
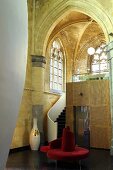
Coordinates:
x,y
74,22
77,35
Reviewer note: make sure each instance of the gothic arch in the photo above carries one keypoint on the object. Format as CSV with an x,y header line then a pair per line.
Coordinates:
x,y
60,9
55,14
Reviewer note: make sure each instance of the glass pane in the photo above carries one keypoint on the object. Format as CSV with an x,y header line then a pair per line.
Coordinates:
x,y
103,56
61,59
99,50
51,70
95,68
60,80
56,66
55,79
95,62
51,85
56,52
55,86
51,62
56,44
51,77
52,51
96,57
102,45
59,87
103,67
103,61
55,71
55,63
60,66
60,73
61,55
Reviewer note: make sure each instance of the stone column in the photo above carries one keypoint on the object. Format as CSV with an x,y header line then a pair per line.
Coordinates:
x,y
110,58
38,64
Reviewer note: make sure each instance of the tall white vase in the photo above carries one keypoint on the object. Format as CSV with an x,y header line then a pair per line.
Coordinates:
x,y
34,136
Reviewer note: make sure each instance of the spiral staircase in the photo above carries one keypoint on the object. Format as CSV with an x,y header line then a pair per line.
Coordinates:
x,y
56,118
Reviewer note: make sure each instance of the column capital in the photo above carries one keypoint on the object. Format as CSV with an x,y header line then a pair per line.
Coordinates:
x,y
38,61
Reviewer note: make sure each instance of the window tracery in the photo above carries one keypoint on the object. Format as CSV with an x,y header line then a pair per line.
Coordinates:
x,y
56,66
99,61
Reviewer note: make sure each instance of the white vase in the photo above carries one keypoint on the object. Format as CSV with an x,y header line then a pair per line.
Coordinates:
x,y
34,136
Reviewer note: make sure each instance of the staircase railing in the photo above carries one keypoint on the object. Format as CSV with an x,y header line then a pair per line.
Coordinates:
x,y
52,114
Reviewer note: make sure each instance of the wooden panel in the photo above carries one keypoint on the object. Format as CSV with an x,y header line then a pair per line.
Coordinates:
x,y
96,95
69,94
99,92
81,93
100,115
100,137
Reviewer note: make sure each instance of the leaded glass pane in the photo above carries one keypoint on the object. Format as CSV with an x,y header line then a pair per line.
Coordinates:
x,y
55,86
55,71
95,68
55,79
96,57
60,80
103,67
51,62
103,56
52,51
99,50
60,73
51,70
59,87
51,84
60,65
56,52
55,63
51,77
56,66
99,62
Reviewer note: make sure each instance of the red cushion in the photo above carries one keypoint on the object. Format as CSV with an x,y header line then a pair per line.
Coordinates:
x,y
44,148
77,154
67,128
68,141
55,143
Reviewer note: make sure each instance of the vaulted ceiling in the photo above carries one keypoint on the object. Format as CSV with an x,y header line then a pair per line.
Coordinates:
x,y
78,32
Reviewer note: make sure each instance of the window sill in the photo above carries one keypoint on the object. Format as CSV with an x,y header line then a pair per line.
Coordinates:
x,y
55,92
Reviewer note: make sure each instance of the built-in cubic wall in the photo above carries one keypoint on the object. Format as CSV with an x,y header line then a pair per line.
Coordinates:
x,y
96,95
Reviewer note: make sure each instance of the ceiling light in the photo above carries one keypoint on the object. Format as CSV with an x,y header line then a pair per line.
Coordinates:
x,y
91,50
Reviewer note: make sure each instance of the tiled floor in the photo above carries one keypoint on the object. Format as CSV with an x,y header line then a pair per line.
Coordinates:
x,y
35,160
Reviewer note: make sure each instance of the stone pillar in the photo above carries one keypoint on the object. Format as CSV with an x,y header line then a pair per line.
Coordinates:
x,y
110,58
38,64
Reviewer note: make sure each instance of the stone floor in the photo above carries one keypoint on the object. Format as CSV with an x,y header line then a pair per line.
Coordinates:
x,y
35,160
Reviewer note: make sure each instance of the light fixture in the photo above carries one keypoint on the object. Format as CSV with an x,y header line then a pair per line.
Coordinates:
x,y
91,50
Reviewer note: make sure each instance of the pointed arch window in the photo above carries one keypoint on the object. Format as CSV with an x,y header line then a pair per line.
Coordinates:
x,y
56,66
99,61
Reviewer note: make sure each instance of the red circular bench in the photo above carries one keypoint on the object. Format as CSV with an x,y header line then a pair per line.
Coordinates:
x,y
64,148
44,148
78,154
